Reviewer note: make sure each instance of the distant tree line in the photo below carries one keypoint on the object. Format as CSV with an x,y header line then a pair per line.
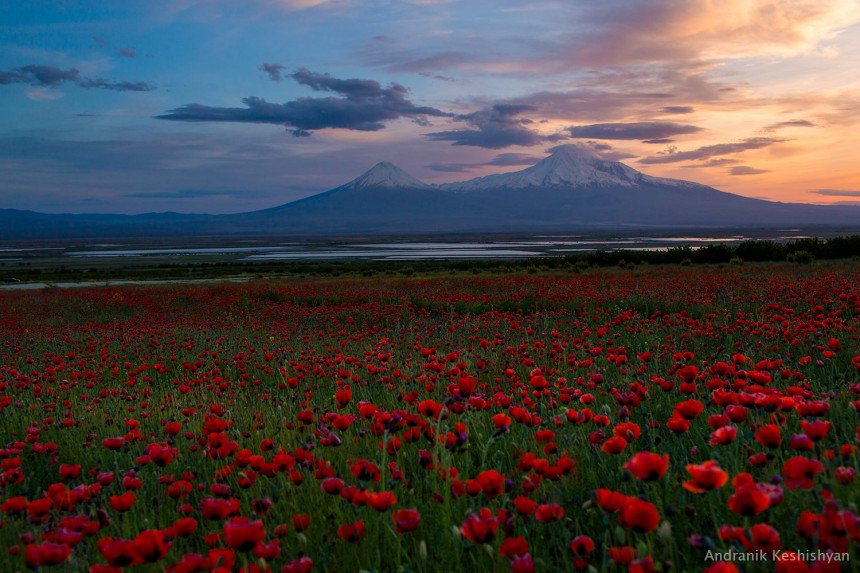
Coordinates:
x,y
797,250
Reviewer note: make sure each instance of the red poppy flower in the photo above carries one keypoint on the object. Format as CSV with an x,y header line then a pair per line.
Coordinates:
x,y
149,546
523,564
706,477
480,528
749,501
648,466
627,430
609,500
301,522
182,527
332,485
582,545
640,516
303,565
113,443
549,512
621,555
380,501
769,436
242,534
514,547
524,505
491,482
351,532
762,536
800,472
614,445
722,567
122,502
689,410
117,552
678,425
816,430
46,554
69,471
723,436
405,520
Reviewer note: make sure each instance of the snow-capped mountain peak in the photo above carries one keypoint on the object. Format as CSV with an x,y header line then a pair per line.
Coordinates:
x,y
569,165
386,175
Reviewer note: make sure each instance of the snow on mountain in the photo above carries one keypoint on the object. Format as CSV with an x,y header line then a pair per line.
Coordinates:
x,y
569,165
385,175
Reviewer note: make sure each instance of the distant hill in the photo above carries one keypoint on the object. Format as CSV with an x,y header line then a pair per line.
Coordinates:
x,y
572,189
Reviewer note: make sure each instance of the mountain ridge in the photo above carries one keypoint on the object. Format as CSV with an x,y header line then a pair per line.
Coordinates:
x,y
571,189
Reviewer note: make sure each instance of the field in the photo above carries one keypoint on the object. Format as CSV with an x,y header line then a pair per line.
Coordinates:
x,y
654,419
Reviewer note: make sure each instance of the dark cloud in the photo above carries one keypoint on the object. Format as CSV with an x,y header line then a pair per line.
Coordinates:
x,y
124,52
117,86
709,151
836,192
364,105
713,163
792,123
495,128
507,159
677,109
441,77
746,170
637,130
502,159
48,76
274,70
659,140
184,194
452,167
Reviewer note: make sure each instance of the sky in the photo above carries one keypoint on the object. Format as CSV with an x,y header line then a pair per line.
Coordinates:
x,y
220,106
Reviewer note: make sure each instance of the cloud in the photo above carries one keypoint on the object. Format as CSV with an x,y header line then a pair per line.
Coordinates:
x,y
274,70
677,109
502,159
637,130
124,52
184,194
117,86
659,140
363,105
792,123
495,128
746,170
50,76
710,151
836,192
453,167
624,32
508,159
713,163
34,75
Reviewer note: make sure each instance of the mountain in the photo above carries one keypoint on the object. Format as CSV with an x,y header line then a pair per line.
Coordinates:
x,y
573,189
568,166
385,175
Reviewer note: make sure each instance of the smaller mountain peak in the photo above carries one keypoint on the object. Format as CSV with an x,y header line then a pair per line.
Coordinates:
x,y
388,175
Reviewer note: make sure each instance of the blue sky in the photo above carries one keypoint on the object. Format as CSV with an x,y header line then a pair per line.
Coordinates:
x,y
227,105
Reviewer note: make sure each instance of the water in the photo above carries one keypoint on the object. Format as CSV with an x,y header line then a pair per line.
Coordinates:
x,y
525,247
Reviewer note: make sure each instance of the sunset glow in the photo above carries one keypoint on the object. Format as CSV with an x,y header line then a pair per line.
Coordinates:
x,y
224,106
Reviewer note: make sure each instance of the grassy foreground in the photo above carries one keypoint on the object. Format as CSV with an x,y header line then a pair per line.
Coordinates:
x,y
659,419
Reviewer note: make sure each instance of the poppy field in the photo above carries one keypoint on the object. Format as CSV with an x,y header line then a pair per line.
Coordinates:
x,y
654,419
